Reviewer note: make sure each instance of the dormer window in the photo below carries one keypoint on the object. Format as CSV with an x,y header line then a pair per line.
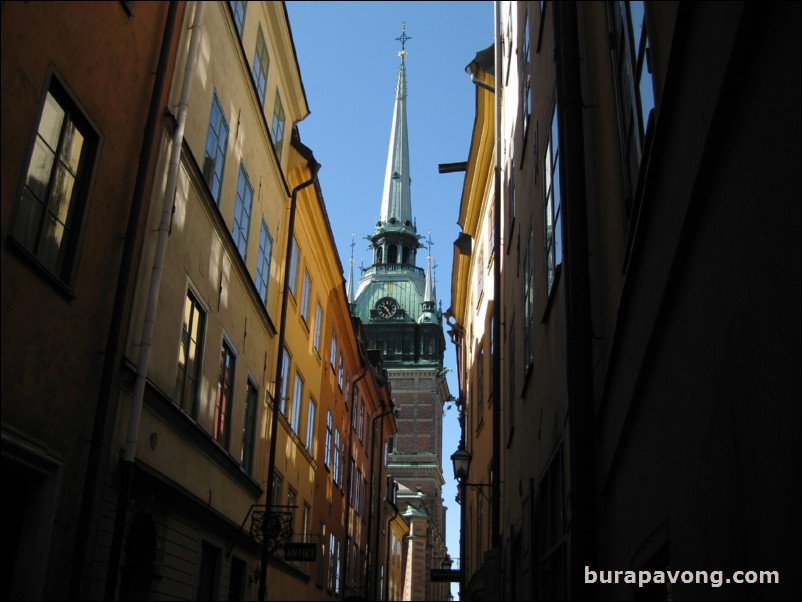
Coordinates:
x,y
396,175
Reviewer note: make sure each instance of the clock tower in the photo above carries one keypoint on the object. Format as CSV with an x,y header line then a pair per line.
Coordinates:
x,y
397,304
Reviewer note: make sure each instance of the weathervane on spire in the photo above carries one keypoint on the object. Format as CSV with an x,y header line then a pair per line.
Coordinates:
x,y
403,38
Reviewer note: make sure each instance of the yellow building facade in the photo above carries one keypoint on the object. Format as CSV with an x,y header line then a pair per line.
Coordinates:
x,y
470,320
196,411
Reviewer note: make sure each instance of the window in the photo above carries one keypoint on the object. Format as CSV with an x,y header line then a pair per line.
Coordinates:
x,y
238,9
249,427
554,245
332,562
293,273
277,130
307,512
340,373
215,153
225,392
310,426
491,236
634,87
526,94
320,578
362,502
55,191
263,261
529,297
480,276
353,408
305,297
285,374
361,419
336,461
352,488
296,404
190,355
327,450
480,374
338,570
261,63
318,326
372,494
242,211
333,358
209,573
342,464
358,491
349,581
275,495
238,579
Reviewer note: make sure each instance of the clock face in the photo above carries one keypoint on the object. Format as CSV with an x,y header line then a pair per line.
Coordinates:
x,y
387,307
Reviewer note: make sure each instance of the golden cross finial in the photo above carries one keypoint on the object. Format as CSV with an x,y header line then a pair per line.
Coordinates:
x,y
403,38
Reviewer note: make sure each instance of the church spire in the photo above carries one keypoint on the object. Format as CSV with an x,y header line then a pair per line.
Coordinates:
x,y
396,205
429,304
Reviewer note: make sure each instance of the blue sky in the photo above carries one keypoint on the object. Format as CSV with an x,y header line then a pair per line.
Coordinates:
x,y
348,55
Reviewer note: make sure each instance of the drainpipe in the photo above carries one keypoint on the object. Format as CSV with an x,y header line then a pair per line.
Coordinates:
x,y
314,166
496,384
110,375
579,357
374,549
129,455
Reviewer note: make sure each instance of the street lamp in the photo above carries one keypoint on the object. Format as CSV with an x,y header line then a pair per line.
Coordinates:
x,y
462,461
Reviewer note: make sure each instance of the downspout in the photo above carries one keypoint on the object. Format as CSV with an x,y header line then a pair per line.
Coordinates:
x,y
463,548
496,464
377,494
110,375
579,326
129,455
314,166
350,475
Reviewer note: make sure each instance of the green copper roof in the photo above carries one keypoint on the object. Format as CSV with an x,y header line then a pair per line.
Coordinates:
x,y
405,284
